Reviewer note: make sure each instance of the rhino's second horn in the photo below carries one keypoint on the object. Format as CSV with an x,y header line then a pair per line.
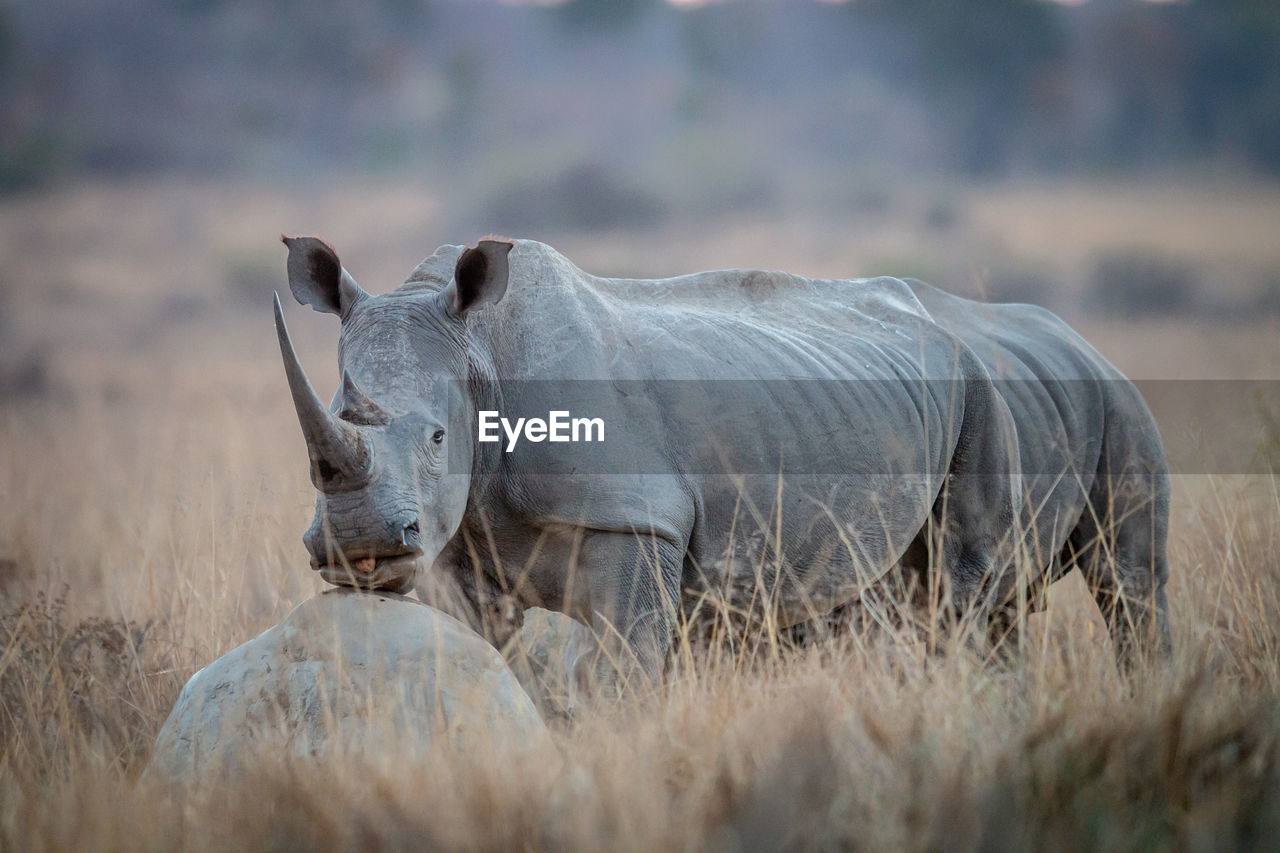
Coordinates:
x,y
357,407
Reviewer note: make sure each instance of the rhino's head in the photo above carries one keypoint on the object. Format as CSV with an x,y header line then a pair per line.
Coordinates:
x,y
391,455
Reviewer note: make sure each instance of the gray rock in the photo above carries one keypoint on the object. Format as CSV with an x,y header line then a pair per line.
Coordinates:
x,y
372,677
544,654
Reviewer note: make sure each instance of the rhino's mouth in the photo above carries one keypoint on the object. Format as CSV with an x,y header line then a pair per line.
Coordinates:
x,y
393,572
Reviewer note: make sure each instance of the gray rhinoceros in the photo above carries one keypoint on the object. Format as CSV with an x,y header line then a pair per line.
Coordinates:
x,y
863,427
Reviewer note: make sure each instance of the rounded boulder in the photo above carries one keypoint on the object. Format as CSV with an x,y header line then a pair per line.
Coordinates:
x,y
367,676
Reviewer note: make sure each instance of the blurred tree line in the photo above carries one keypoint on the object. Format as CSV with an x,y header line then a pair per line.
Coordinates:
x,y
722,92
1109,83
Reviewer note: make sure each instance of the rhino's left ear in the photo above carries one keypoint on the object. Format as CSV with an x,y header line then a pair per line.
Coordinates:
x,y
317,278
480,277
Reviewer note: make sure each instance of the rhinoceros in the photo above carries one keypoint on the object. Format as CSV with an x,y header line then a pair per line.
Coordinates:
x,y
865,428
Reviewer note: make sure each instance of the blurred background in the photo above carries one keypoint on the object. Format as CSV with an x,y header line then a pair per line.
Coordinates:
x,y
1115,160
1112,158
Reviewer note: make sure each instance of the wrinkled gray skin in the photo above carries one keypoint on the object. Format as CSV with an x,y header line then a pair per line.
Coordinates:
x,y
627,554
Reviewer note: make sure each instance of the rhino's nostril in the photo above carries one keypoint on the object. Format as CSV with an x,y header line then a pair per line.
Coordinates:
x,y
410,529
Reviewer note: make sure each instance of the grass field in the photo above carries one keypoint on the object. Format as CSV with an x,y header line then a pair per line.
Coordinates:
x,y
153,491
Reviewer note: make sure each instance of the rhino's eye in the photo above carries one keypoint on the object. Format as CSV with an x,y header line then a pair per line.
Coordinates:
x,y
438,436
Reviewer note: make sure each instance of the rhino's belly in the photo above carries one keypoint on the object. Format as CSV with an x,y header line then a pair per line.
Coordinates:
x,y
800,551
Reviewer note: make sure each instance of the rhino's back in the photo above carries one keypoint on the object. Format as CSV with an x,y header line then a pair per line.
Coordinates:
x,y
558,322
1016,340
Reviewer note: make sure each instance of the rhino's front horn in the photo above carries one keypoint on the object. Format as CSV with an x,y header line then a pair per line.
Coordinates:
x,y
340,457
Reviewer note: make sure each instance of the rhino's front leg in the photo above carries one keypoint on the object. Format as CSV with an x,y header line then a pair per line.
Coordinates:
x,y
633,582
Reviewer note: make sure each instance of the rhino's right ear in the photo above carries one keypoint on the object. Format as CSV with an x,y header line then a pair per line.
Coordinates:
x,y
480,276
317,278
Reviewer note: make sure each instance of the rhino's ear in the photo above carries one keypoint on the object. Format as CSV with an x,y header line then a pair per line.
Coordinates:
x,y
317,278
480,277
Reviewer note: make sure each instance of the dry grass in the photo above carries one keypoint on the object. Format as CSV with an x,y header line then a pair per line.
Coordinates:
x,y
155,493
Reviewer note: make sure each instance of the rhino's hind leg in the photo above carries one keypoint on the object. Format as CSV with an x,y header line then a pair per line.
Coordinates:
x,y
1119,548
954,580
972,535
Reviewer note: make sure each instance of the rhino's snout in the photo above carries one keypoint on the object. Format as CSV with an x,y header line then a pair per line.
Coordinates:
x,y
387,559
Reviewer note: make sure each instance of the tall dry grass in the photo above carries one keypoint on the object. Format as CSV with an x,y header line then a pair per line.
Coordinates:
x,y
174,539
152,500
